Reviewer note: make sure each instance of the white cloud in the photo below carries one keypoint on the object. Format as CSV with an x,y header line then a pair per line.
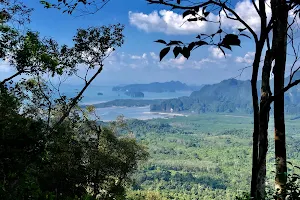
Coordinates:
x,y
203,63
154,56
136,57
133,66
144,56
173,63
151,60
182,63
247,12
179,61
248,58
217,53
170,22
119,60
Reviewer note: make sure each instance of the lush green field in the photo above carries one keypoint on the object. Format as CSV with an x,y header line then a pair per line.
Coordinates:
x,y
202,157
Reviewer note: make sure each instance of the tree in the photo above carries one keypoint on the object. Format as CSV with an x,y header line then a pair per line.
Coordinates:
x,y
35,57
199,11
21,146
79,156
84,7
49,150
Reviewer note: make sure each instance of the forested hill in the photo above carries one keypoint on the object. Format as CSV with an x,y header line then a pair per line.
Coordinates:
x,y
227,96
171,86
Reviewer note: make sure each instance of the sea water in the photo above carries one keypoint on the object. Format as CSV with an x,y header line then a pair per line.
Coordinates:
x,y
91,96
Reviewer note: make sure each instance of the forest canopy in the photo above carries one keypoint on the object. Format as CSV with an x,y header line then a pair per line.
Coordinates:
x,y
50,148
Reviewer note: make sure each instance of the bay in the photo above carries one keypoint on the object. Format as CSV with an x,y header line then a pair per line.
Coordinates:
x,y
91,96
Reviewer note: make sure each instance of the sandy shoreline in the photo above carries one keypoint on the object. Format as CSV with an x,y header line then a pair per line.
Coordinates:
x,y
163,113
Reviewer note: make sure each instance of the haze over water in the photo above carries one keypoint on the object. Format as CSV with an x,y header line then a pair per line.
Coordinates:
x,y
111,113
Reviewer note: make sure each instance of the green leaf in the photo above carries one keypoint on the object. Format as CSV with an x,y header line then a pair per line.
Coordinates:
x,y
206,14
222,51
188,12
174,42
242,29
231,39
160,41
226,46
164,52
192,19
90,108
297,167
186,52
176,51
202,19
46,4
191,46
200,43
245,35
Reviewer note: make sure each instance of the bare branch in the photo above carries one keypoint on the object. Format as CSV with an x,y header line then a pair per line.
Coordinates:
x,y
76,99
11,77
256,8
97,9
201,5
242,70
286,88
48,100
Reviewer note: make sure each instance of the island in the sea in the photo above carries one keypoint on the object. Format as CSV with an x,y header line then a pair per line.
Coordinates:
x,y
99,93
134,94
171,86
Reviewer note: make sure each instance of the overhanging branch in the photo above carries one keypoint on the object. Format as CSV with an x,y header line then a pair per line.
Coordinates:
x,y
201,5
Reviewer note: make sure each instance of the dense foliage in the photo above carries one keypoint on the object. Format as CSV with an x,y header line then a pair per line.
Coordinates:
x,y
203,157
78,159
49,147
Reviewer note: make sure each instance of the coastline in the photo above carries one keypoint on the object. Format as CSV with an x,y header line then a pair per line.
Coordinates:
x,y
168,114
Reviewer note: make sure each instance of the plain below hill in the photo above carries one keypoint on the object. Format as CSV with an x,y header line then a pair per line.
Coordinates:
x,y
171,86
227,96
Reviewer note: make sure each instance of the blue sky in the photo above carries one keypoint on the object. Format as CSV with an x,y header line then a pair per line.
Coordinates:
x,y
137,60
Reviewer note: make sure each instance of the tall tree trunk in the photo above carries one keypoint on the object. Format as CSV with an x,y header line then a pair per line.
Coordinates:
x,y
259,138
280,13
254,184
263,125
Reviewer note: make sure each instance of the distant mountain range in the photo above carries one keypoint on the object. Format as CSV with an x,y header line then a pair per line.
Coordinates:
x,y
227,96
171,86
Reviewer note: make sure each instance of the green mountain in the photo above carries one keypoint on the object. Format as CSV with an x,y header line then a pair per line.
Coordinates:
x,y
171,86
227,96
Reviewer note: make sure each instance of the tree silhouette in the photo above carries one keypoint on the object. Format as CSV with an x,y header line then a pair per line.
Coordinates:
x,y
276,51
